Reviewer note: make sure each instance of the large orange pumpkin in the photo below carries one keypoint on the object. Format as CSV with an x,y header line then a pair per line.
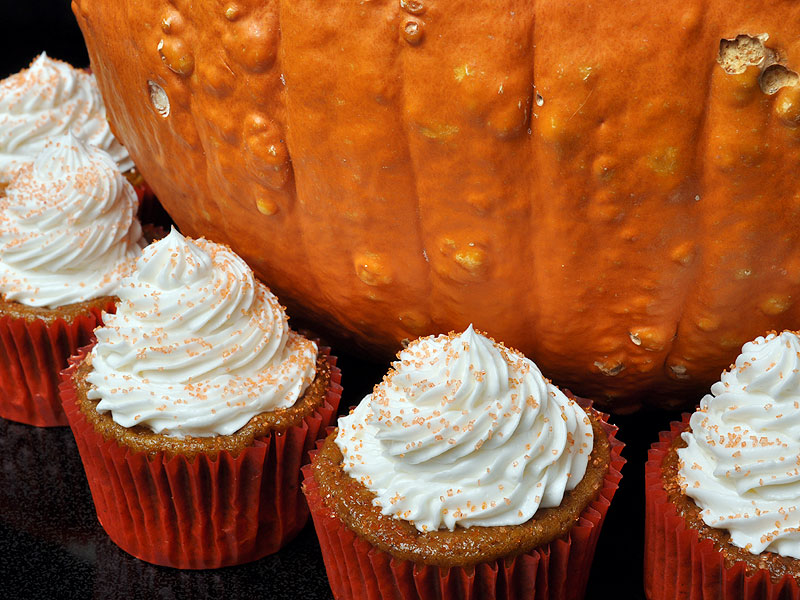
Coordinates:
x,y
610,186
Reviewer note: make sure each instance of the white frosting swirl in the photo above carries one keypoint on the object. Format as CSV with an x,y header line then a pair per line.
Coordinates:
x,y
197,346
463,431
742,462
48,99
68,227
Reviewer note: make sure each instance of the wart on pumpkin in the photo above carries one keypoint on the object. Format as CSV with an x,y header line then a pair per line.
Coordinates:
x,y
743,51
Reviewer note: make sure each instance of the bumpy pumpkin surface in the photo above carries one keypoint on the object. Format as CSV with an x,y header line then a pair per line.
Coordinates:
x,y
609,186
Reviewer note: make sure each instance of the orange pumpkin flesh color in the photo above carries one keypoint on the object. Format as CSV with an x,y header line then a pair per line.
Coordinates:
x,y
611,190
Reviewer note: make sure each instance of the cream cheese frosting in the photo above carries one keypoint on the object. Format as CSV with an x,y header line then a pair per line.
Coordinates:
x,y
197,346
48,99
68,227
741,465
462,432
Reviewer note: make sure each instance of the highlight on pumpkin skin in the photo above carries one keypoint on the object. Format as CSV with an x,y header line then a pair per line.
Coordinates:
x,y
197,345
47,99
465,432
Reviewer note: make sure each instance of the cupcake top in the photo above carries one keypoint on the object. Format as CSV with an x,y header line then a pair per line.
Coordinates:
x,y
463,431
741,465
197,346
48,99
68,227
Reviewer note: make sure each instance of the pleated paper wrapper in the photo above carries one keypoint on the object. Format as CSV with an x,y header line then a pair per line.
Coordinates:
x,y
558,570
206,512
150,210
678,564
32,354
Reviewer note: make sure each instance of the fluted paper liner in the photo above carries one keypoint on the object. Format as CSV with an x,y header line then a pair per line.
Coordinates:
x,y
678,564
558,570
150,211
206,512
32,354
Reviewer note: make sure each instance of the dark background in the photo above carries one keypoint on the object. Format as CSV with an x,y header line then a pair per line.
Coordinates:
x,y
51,544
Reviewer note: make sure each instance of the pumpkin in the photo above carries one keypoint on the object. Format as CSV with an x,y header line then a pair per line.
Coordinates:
x,y
612,190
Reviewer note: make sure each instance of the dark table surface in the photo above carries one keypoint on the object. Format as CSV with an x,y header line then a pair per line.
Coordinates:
x,y
51,545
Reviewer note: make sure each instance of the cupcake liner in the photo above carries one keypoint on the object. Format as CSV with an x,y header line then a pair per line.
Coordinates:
x,y
153,233
206,512
147,200
32,354
559,569
150,211
679,564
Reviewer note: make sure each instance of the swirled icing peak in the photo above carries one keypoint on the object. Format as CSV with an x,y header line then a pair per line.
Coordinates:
x,y
463,431
197,346
48,99
742,461
68,227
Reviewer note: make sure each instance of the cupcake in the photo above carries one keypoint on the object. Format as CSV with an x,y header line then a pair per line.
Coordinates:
x,y
48,99
723,486
195,410
464,474
68,234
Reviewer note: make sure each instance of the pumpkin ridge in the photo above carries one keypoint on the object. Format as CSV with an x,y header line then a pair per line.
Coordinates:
x,y
314,278
744,144
671,365
400,58
533,290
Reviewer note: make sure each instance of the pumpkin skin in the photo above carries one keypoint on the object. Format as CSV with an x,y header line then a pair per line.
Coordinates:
x,y
582,181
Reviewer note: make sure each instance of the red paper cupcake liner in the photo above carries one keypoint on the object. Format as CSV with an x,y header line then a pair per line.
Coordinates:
x,y
146,198
558,570
32,354
678,564
206,512
151,211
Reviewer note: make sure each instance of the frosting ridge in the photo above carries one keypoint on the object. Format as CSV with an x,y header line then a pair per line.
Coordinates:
x,y
197,345
741,465
48,99
462,432
68,227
